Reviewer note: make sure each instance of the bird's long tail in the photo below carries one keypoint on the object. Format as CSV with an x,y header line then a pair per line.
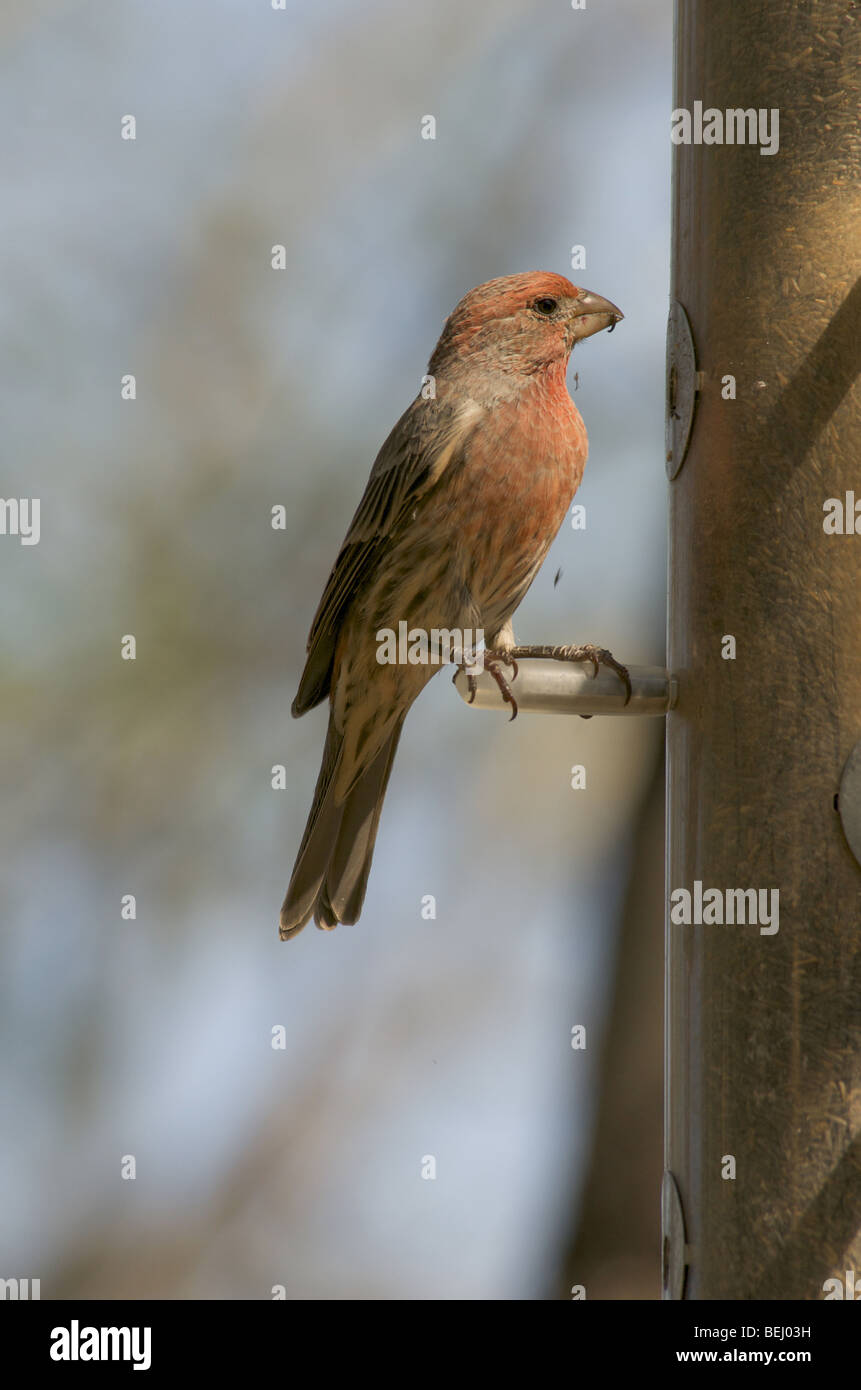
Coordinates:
x,y
330,875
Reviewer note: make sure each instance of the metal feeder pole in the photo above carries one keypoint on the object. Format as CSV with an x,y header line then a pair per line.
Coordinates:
x,y
762,1195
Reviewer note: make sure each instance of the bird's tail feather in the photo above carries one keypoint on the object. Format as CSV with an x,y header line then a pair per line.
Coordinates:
x,y
331,871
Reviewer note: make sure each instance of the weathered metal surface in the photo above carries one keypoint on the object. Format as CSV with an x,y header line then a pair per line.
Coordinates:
x,y
764,1030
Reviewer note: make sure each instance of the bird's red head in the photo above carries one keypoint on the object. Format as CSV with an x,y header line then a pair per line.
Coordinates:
x,y
521,323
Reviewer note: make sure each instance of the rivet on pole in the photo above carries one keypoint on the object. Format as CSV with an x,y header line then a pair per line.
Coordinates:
x,y
849,800
675,1251
683,383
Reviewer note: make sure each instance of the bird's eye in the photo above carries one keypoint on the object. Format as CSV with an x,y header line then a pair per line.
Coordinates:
x,y
546,305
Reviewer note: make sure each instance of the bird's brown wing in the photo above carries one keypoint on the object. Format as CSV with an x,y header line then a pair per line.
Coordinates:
x,y
427,439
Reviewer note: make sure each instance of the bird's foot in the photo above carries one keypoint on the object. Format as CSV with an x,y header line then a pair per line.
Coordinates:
x,y
599,656
492,660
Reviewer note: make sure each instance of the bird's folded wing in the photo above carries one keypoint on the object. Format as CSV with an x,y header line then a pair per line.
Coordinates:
x,y
429,438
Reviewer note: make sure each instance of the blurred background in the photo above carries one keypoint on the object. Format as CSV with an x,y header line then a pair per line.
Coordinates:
x,y
405,1038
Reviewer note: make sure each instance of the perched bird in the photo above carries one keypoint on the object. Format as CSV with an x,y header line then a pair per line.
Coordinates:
x,y
463,502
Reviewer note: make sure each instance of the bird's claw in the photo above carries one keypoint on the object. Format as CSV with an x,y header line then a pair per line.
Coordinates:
x,y
599,656
492,661
471,681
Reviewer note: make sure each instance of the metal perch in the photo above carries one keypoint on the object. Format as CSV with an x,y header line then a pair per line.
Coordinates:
x,y
555,687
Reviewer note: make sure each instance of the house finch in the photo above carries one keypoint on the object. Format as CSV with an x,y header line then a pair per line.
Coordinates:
x,y
462,504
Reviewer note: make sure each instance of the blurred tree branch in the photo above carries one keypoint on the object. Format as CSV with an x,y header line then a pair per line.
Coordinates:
x,y
614,1248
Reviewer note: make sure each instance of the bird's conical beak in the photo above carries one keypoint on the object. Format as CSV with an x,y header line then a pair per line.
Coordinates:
x,y
590,314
